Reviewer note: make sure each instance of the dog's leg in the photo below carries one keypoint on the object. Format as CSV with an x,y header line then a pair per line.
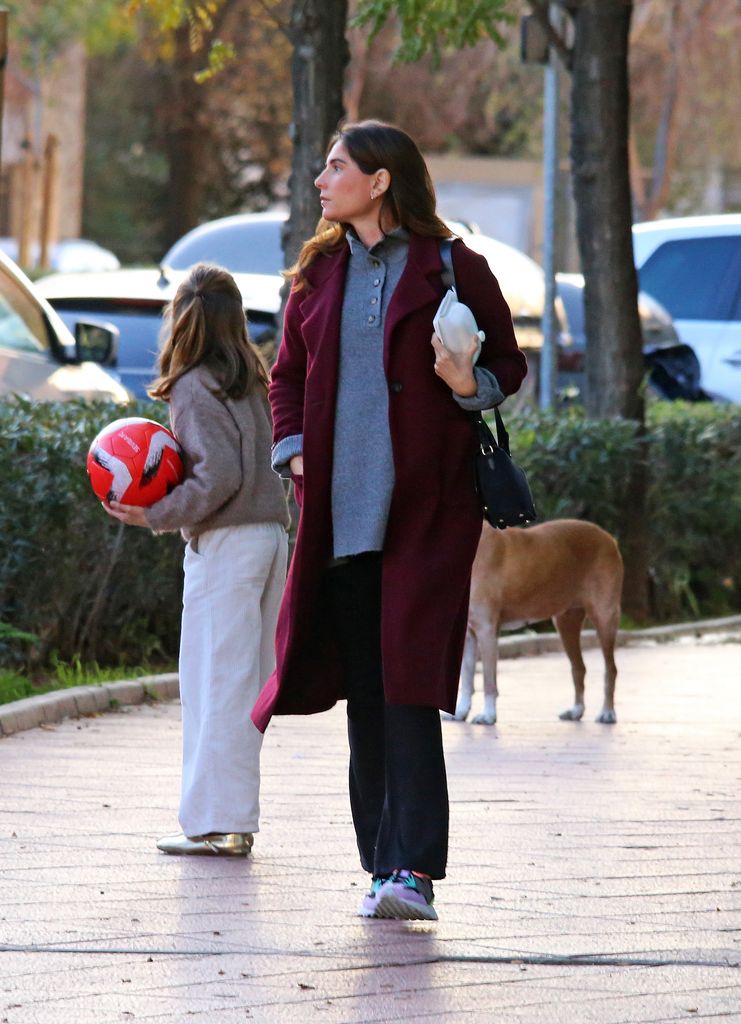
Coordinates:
x,y
465,687
487,639
569,625
607,628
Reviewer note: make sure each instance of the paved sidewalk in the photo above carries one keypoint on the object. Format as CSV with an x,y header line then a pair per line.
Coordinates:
x,y
595,871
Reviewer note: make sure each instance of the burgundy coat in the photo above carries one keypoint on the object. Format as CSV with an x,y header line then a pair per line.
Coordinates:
x,y
435,518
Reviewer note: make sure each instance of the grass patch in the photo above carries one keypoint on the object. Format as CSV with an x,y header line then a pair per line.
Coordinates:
x,y
64,675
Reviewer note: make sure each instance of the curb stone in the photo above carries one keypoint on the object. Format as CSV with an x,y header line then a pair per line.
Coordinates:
x,y
546,643
51,707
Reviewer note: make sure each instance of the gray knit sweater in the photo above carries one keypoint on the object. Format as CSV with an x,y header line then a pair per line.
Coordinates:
x,y
228,478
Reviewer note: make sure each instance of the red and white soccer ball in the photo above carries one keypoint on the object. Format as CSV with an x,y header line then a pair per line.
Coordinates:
x,y
135,461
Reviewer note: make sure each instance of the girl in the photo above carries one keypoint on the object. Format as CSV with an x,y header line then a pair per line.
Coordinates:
x,y
370,418
231,510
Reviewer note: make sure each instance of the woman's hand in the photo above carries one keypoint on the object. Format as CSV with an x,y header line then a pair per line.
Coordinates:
x,y
456,368
296,465
132,515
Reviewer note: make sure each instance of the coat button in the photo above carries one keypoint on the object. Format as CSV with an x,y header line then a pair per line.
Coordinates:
x,y
396,386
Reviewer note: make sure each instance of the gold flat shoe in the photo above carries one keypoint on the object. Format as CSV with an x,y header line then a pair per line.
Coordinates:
x,y
229,844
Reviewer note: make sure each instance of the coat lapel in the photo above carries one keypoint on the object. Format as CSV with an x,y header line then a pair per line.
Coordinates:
x,y
321,312
419,285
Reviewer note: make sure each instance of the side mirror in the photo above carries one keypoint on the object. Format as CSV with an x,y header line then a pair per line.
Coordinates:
x,y
96,342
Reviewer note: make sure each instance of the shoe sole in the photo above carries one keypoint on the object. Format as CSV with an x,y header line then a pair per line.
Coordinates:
x,y
205,853
393,908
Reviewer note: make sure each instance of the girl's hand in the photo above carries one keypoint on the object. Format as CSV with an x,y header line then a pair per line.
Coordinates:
x,y
456,368
296,465
132,515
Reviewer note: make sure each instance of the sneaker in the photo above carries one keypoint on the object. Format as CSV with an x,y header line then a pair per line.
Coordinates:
x,y
368,906
405,897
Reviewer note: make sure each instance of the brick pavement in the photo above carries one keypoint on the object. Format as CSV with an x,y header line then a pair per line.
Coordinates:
x,y
595,871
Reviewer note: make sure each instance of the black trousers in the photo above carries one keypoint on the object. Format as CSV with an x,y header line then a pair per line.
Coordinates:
x,y
398,786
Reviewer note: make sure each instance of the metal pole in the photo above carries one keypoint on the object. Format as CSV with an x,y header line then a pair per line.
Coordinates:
x,y
550,177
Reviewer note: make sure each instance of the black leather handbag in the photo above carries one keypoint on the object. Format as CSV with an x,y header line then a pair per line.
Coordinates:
x,y
502,486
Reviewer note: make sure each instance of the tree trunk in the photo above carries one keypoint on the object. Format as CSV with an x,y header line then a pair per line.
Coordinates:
x,y
185,139
599,150
320,54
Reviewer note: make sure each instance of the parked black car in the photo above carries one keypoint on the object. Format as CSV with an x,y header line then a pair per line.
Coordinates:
x,y
672,367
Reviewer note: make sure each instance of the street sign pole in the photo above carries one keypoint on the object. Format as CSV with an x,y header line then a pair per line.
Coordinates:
x,y
550,182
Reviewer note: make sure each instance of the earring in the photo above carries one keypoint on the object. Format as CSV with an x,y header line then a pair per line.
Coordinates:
x,y
373,194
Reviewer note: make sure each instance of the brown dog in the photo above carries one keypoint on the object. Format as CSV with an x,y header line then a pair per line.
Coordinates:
x,y
564,570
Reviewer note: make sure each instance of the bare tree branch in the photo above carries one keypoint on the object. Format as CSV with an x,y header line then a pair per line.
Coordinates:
x,y
281,23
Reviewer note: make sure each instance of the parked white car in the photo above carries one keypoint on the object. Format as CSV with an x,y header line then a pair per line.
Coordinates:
x,y
692,266
40,357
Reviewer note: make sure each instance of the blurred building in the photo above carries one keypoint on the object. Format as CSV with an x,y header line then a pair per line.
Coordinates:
x,y
502,197
40,115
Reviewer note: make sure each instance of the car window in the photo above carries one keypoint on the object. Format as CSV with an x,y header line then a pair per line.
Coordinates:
x,y
736,309
689,276
138,342
22,323
251,248
573,300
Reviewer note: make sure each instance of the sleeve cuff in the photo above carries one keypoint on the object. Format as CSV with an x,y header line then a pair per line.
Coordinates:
x,y
488,393
154,524
283,451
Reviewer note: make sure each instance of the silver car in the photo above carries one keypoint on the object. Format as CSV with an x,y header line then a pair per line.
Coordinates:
x,y
40,357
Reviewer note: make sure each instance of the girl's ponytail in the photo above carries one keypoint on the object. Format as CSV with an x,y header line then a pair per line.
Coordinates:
x,y
205,323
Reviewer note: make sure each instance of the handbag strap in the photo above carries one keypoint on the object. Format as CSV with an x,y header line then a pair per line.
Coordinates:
x,y
487,441
486,438
502,435
446,255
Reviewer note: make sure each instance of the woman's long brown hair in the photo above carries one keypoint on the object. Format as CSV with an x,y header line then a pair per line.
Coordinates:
x,y
409,200
205,324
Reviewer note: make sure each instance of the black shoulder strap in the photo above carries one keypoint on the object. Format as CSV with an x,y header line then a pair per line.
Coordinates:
x,y
502,435
446,255
487,441
448,276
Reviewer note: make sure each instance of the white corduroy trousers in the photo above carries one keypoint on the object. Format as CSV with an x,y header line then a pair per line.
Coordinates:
x,y
234,579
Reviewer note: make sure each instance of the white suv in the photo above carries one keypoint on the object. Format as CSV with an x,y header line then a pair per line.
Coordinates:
x,y
692,265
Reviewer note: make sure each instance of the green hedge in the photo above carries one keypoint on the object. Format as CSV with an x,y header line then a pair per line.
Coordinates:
x,y
88,587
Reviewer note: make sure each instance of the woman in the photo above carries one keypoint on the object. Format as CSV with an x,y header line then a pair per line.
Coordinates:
x,y
370,416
